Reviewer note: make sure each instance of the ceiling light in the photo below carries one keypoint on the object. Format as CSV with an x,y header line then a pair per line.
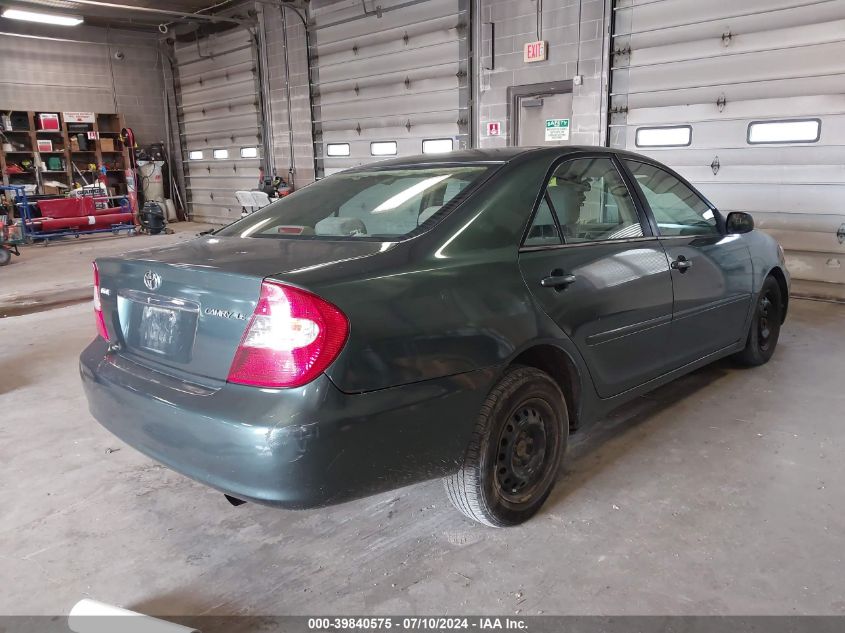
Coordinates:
x,y
43,18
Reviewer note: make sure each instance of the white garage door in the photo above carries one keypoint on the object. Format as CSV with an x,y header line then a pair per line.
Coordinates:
x,y
747,98
219,122
391,80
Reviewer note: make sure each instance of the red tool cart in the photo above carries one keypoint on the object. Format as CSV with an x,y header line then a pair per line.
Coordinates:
x,y
79,215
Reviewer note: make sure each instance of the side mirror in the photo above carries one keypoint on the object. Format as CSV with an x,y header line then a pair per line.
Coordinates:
x,y
739,222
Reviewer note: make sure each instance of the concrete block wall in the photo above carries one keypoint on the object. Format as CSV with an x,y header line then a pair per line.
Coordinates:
x,y
41,74
515,23
303,146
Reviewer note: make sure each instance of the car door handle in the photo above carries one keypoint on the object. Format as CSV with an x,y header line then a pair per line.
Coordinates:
x,y
682,264
557,279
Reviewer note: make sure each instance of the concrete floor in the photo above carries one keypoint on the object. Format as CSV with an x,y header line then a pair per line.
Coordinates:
x,y
31,281
719,494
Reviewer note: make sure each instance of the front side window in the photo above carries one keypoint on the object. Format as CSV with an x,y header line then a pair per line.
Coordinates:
x,y
591,202
381,204
677,209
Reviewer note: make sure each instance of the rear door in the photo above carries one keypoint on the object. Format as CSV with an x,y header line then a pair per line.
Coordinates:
x,y
711,271
594,267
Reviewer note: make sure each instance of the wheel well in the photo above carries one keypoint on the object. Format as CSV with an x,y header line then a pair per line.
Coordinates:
x,y
557,363
778,275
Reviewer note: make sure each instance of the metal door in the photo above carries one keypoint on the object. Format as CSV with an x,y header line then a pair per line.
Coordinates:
x,y
540,119
391,79
705,75
219,114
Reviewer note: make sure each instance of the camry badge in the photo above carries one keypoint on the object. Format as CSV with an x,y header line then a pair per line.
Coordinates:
x,y
225,314
152,280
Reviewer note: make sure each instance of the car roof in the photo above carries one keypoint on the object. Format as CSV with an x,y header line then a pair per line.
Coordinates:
x,y
484,155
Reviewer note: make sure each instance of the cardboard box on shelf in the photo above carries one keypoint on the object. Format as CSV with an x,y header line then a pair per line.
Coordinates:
x,y
45,145
54,188
107,145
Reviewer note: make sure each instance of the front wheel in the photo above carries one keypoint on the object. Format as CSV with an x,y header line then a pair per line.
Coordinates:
x,y
514,454
765,326
5,256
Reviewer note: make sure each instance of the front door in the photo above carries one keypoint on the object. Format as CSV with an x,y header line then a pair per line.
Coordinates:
x,y
712,275
544,119
593,267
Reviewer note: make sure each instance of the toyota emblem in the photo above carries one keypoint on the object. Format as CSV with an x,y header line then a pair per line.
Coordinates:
x,y
152,280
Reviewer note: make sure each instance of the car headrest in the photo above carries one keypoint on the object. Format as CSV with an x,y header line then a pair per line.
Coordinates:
x,y
340,226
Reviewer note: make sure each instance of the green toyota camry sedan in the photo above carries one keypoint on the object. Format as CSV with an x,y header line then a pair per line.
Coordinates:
x,y
452,317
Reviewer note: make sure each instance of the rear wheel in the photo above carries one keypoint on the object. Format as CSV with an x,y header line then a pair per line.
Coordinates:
x,y
5,256
765,326
515,451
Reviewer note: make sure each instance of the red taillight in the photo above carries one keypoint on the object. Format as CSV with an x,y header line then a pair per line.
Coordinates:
x,y
98,306
292,338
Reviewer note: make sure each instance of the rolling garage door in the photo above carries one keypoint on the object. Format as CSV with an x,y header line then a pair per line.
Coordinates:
x,y
390,80
747,101
219,109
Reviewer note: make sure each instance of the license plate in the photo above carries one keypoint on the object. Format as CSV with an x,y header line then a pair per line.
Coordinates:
x,y
158,329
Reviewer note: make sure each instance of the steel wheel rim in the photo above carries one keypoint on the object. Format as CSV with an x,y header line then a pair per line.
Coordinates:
x,y
765,322
523,451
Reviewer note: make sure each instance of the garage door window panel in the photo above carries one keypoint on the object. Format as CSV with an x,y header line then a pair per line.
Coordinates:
x,y
591,202
784,132
675,136
677,209
383,148
337,149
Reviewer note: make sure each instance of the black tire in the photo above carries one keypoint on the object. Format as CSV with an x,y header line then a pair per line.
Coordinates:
x,y
5,256
765,326
514,455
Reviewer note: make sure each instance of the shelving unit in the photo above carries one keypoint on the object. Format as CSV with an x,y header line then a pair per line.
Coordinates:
x,y
67,149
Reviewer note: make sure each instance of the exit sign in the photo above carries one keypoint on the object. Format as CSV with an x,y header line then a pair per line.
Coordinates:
x,y
534,52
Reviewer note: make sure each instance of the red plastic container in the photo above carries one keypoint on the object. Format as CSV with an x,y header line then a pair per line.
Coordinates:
x,y
74,207
66,207
48,121
82,223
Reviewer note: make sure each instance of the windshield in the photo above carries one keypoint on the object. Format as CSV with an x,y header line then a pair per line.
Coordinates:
x,y
385,203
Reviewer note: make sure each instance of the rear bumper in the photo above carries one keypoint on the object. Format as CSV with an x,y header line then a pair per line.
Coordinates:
x,y
297,448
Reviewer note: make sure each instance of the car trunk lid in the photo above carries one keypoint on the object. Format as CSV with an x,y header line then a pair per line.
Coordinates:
x,y
186,307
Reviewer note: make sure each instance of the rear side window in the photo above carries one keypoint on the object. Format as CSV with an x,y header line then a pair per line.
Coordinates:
x,y
677,209
380,204
591,204
543,231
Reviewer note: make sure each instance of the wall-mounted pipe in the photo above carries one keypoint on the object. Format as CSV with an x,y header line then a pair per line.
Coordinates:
x,y
268,158
176,168
70,41
292,166
283,6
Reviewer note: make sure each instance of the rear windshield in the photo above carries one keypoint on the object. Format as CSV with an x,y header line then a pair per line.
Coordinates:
x,y
377,204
